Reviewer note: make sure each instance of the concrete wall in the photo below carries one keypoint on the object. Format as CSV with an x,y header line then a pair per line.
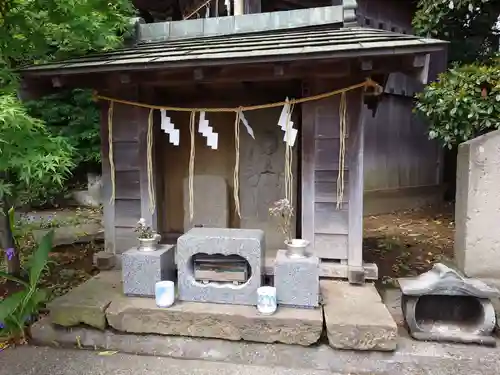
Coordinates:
x,y
477,213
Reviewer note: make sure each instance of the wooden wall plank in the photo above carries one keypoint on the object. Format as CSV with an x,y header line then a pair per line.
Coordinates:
x,y
128,185
398,153
329,220
127,212
327,153
126,156
125,127
330,246
326,192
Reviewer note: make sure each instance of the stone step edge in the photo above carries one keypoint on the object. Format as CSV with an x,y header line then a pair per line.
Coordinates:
x,y
416,357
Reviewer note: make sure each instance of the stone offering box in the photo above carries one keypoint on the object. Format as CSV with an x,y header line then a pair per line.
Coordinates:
x,y
141,270
443,305
247,244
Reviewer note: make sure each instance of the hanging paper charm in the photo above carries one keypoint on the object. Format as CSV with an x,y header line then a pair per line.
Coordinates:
x,y
208,132
168,127
286,124
244,121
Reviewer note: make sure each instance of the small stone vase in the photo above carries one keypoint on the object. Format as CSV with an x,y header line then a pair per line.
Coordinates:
x,y
149,244
297,248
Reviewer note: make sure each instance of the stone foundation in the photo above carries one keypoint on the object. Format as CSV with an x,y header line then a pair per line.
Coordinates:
x,y
100,303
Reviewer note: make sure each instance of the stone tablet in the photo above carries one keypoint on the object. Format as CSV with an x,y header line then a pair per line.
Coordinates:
x,y
212,212
247,243
297,280
141,270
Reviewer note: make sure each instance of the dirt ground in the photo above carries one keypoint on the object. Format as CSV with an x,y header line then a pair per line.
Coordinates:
x,y
407,243
69,265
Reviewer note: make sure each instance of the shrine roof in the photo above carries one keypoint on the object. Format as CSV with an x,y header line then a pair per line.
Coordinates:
x,y
306,43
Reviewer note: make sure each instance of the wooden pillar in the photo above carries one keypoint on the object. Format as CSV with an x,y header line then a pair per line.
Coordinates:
x,y
356,187
131,189
109,211
238,7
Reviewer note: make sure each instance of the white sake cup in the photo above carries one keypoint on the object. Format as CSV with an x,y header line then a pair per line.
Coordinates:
x,y
266,300
164,293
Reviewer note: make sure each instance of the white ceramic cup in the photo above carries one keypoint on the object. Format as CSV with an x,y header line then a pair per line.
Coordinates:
x,y
164,293
266,300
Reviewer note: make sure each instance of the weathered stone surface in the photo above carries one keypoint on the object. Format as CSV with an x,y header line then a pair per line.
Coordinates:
x,y
443,305
105,260
262,171
247,243
356,318
296,280
411,358
141,270
68,235
87,303
229,322
477,211
213,212
444,280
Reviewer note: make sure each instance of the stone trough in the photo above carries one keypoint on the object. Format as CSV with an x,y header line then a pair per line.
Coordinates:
x,y
100,303
443,305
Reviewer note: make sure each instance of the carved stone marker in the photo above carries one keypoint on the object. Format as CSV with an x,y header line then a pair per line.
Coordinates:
x,y
249,244
477,211
211,202
443,305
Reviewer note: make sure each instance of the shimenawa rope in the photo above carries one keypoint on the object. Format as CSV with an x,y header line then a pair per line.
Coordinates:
x,y
342,148
238,111
110,152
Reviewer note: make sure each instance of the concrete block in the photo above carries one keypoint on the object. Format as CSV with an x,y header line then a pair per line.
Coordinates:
x,y
296,280
104,260
213,212
247,243
228,322
86,303
143,269
356,318
477,211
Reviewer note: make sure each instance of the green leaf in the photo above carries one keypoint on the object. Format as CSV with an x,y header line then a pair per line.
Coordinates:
x,y
38,297
9,305
14,279
40,258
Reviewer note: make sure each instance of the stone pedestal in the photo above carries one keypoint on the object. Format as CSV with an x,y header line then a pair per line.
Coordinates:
x,y
247,243
442,305
142,270
477,211
297,280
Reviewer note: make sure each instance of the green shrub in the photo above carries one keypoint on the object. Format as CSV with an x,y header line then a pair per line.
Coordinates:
x,y
463,104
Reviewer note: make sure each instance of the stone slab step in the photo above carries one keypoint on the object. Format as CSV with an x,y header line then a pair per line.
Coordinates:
x,y
87,303
208,320
356,317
